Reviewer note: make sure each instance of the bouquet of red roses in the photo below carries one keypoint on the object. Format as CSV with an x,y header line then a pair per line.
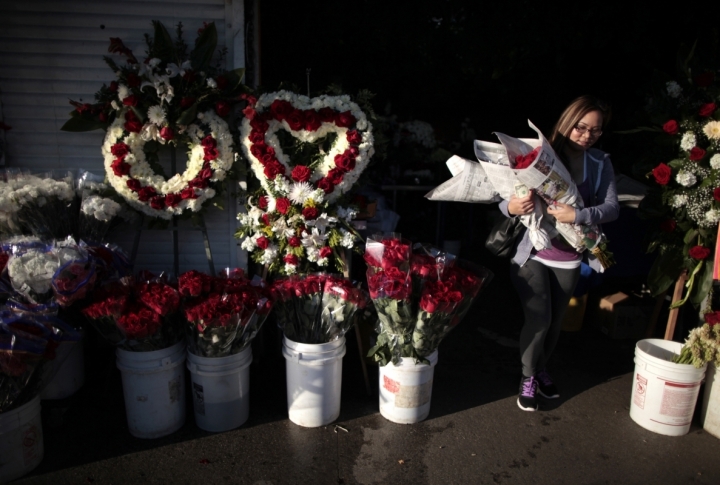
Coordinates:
x,y
316,308
223,313
416,311
390,287
136,315
444,303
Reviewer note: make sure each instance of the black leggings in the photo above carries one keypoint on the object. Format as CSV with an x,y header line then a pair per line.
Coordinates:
x,y
544,293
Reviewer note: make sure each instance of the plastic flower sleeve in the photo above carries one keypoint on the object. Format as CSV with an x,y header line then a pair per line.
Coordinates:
x,y
21,355
283,294
308,307
386,251
31,274
340,302
74,279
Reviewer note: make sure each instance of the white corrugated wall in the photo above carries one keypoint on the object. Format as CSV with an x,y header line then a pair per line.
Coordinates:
x,y
51,51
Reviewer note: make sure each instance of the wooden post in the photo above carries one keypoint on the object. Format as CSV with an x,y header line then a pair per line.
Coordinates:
x,y
677,296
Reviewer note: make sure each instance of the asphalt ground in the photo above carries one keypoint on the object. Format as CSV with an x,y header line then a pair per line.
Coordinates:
x,y
475,433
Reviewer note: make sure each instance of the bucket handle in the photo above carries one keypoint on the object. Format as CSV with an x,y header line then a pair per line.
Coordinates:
x,y
297,358
194,369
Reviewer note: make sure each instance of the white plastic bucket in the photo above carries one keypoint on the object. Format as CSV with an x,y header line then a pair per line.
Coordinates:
x,y
21,440
70,375
664,393
406,389
710,410
220,388
314,381
154,388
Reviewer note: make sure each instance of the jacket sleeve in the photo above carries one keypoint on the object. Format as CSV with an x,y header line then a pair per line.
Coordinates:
x,y
503,206
607,207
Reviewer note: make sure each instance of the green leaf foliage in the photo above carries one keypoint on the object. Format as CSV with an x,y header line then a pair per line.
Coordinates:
x,y
78,124
163,46
664,272
205,45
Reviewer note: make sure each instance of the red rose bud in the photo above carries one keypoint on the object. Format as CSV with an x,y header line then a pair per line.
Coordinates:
x,y
699,252
131,100
103,116
335,176
282,205
295,120
295,241
291,259
707,109
354,137
345,119
208,142
280,109
310,213
301,173
211,153
167,133
133,80
146,193
265,218
712,318
120,150
222,109
670,127
133,126
188,193
158,202
326,185
133,185
327,115
249,98
696,153
262,202
345,162
172,200
113,87
662,174
186,102
312,120
249,112
262,242
668,225
325,251
120,168
273,169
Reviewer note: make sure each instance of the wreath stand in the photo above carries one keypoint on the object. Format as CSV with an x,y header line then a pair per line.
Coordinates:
x,y
673,314
175,229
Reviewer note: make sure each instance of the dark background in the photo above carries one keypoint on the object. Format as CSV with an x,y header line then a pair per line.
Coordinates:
x,y
496,63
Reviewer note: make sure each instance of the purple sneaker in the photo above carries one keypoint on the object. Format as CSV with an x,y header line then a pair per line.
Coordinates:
x,y
546,388
527,401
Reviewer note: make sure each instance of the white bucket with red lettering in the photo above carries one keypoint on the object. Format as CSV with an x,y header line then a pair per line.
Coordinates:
x,y
21,440
664,393
406,389
710,409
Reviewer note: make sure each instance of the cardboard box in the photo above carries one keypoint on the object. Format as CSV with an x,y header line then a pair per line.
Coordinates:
x,y
623,316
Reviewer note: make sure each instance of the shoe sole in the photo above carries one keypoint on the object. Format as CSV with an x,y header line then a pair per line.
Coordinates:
x,y
524,408
554,396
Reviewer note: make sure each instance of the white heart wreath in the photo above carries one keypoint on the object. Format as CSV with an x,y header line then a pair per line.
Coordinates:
x,y
307,120
210,157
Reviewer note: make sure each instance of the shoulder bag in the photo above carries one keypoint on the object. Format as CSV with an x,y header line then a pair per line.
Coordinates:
x,y
502,236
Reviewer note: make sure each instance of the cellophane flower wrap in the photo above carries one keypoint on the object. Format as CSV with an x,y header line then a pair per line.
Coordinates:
x,y
223,314
76,276
443,290
316,308
703,344
390,287
29,338
137,315
46,206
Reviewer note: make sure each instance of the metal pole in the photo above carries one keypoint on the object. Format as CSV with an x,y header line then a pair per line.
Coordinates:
x,y
176,249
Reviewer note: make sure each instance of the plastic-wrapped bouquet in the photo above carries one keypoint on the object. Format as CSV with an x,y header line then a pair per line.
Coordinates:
x,y
223,313
316,308
434,297
136,315
96,217
45,205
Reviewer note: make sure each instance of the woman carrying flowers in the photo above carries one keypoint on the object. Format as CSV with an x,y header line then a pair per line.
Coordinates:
x,y
546,279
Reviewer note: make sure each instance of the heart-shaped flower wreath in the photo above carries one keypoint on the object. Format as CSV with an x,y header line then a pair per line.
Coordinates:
x,y
128,171
296,223
307,120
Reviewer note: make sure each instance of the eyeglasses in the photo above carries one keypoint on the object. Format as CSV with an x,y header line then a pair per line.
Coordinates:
x,y
594,132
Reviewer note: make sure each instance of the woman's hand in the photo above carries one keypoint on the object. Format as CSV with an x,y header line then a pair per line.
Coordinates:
x,y
561,212
519,206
